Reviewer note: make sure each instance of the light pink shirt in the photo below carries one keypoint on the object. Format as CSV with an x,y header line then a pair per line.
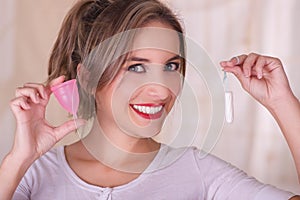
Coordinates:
x,y
191,176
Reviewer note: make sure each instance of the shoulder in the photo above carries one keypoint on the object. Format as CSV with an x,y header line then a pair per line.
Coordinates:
x,y
41,173
194,155
193,159
46,164
210,167
222,179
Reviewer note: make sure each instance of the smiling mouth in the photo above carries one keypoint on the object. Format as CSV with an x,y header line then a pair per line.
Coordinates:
x,y
148,111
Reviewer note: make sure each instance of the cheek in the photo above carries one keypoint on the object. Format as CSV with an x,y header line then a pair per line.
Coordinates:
x,y
125,90
105,95
171,103
103,100
100,101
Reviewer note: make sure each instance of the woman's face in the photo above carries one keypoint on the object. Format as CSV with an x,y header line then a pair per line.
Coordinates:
x,y
145,88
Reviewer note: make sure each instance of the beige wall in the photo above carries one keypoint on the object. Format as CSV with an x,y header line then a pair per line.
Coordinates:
x,y
224,28
229,27
27,32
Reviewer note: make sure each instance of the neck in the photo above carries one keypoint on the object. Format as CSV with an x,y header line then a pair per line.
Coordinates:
x,y
119,150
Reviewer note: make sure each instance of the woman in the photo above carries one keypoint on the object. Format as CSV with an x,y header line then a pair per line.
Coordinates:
x,y
121,108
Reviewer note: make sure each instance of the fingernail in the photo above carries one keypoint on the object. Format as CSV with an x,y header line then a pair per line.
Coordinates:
x,y
259,76
44,95
222,63
37,98
237,60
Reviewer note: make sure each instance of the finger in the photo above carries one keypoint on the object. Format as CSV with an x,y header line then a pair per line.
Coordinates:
x,y
234,61
68,127
259,66
238,60
272,63
57,81
31,93
237,71
249,63
39,87
19,103
54,82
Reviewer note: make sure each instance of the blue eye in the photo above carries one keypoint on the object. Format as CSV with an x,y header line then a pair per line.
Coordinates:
x,y
139,68
172,66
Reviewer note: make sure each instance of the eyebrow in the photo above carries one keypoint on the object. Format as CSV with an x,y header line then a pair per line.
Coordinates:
x,y
138,59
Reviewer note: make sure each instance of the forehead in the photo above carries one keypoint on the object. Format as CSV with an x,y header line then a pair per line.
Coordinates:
x,y
157,38
152,56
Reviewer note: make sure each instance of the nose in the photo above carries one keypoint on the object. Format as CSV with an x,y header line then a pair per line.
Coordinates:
x,y
158,92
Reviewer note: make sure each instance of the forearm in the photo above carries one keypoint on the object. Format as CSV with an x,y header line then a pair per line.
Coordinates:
x,y
287,115
12,170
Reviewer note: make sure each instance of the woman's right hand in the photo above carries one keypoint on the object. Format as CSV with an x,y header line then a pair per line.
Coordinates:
x,y
34,135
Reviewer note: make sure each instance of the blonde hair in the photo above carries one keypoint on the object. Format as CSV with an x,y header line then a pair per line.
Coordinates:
x,y
90,22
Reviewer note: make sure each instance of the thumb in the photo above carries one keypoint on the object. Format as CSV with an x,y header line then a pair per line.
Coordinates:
x,y
57,81
67,127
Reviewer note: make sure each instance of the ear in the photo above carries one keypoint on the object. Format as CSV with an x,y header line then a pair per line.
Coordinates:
x,y
79,67
83,76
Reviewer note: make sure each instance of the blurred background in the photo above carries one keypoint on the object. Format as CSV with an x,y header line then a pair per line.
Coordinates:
x,y
224,28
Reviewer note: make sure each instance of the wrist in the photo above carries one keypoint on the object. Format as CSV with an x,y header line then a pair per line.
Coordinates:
x,y
286,103
287,113
20,159
16,163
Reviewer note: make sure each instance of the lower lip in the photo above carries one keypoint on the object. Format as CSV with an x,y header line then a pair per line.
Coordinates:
x,y
148,116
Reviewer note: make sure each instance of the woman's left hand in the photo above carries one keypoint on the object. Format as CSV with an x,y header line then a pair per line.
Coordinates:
x,y
263,77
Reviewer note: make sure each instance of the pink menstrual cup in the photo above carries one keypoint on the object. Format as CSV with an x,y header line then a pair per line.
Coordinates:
x,y
67,95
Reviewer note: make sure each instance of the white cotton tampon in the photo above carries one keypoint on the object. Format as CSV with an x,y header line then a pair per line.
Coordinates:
x,y
228,101
229,107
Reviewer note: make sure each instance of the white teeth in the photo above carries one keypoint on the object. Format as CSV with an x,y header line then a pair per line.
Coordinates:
x,y
148,109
